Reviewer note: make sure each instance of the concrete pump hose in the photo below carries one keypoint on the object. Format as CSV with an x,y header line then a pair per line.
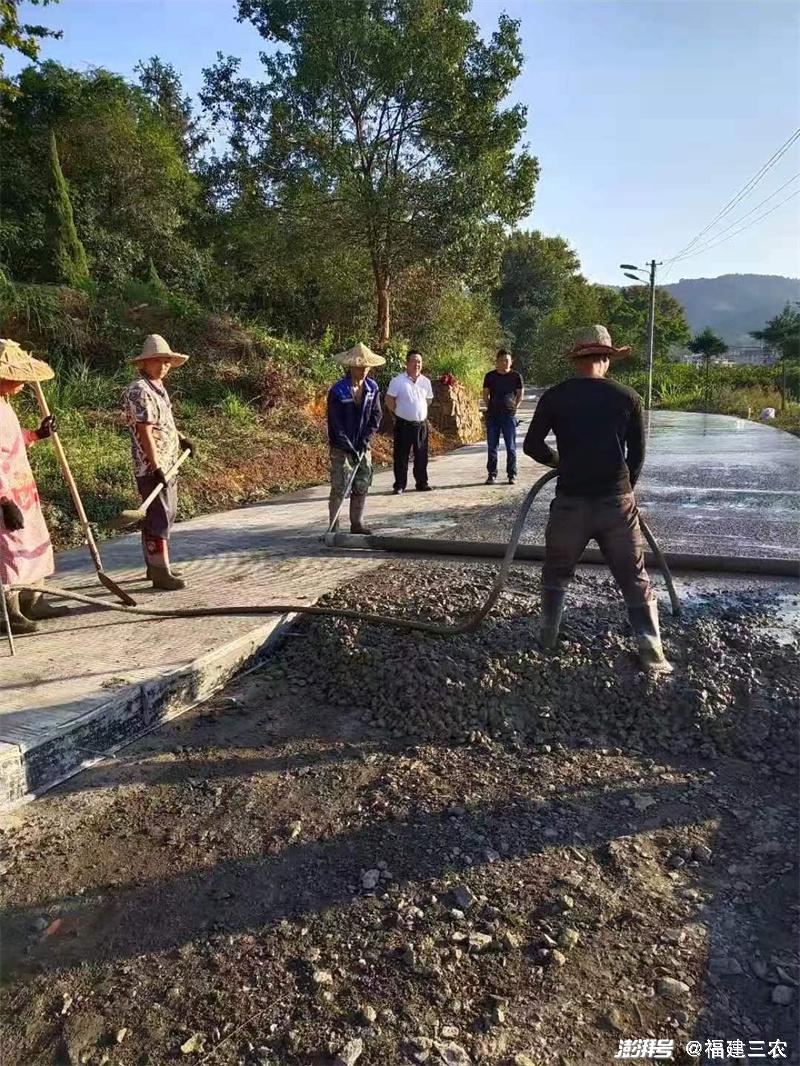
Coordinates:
x,y
469,625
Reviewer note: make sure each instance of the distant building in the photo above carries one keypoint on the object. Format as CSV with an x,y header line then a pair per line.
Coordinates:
x,y
735,356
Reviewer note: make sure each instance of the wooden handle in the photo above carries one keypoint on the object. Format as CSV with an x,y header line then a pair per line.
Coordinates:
x,y
70,480
170,474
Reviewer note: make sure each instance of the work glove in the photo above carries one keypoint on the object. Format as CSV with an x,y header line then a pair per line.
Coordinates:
x,y
160,476
13,518
47,428
186,446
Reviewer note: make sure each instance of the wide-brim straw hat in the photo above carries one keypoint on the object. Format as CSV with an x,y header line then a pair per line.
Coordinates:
x,y
18,365
359,355
155,347
596,340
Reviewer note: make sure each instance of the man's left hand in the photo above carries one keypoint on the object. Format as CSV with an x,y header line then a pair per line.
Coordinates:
x,y
47,428
186,446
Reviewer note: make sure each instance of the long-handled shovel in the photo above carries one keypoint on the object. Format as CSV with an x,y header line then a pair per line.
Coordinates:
x,y
112,586
6,619
331,532
137,514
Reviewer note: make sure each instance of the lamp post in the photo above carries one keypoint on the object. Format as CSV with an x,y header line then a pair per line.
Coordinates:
x,y
651,317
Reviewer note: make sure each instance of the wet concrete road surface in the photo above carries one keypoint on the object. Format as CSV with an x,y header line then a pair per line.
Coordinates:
x,y
715,485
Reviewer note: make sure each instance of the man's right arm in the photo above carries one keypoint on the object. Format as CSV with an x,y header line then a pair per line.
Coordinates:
x,y
541,424
391,395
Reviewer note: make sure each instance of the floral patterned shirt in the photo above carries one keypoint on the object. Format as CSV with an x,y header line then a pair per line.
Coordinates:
x,y
147,402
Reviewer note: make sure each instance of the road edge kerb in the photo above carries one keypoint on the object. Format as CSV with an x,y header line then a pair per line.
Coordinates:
x,y
28,771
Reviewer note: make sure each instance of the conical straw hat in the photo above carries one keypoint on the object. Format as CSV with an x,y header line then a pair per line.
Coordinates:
x,y
155,347
359,355
18,365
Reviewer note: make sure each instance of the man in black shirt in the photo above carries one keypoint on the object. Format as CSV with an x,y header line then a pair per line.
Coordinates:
x,y
502,394
600,436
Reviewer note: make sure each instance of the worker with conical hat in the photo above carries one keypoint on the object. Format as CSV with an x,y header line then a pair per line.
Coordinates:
x,y
156,446
26,554
354,415
600,435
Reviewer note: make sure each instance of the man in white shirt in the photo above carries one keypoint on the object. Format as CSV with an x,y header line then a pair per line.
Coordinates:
x,y
407,398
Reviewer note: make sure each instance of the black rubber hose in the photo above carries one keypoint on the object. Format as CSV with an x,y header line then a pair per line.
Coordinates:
x,y
469,625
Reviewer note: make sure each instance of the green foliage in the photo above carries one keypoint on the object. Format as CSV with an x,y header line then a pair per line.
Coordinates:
x,y
383,122
536,275
132,194
20,37
69,266
783,333
707,344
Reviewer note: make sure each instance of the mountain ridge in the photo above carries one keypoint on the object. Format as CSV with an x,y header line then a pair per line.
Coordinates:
x,y
734,304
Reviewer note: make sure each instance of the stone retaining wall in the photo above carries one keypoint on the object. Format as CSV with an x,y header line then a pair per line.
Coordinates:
x,y
455,412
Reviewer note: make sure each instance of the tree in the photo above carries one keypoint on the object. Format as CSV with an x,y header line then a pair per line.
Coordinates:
x,y
20,37
782,333
384,122
162,84
626,312
707,345
535,274
132,193
69,256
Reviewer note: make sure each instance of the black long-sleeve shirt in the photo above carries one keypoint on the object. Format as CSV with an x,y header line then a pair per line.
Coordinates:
x,y
600,435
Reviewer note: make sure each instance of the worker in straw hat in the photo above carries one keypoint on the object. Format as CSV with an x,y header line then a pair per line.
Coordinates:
x,y
156,446
354,415
600,436
26,554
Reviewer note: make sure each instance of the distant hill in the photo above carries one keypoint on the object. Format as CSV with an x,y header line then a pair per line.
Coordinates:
x,y
733,304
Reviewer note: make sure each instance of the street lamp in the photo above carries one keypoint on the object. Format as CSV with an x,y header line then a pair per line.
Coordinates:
x,y
651,318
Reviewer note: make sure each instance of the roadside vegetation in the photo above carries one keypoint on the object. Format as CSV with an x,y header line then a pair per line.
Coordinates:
x,y
281,219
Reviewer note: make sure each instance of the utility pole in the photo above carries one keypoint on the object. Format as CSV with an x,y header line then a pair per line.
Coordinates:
x,y
651,327
651,320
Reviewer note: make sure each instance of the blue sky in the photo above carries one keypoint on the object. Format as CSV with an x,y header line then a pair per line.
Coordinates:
x,y
647,115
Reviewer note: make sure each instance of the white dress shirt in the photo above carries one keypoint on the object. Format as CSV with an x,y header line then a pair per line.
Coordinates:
x,y
412,396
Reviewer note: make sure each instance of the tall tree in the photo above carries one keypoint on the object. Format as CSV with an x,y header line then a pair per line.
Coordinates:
x,y
782,334
69,256
131,190
21,37
385,121
708,346
535,274
162,84
626,313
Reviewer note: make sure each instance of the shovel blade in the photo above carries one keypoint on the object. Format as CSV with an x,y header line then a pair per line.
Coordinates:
x,y
112,586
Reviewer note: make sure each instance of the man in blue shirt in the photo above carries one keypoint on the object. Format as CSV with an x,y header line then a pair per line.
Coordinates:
x,y
354,415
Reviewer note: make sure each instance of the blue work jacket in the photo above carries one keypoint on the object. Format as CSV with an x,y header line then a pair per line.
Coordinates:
x,y
349,427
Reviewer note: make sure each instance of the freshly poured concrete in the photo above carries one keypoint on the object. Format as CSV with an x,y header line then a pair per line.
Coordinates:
x,y
714,485
89,683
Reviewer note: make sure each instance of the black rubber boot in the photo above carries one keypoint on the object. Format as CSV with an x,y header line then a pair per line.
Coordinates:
x,y
20,625
644,623
551,614
357,505
334,506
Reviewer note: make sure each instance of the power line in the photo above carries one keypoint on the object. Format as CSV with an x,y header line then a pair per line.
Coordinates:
x,y
741,218
740,195
714,243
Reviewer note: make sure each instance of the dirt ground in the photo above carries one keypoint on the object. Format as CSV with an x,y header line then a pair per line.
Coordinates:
x,y
278,878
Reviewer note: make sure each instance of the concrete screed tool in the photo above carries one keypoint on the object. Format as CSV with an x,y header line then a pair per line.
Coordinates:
x,y
137,514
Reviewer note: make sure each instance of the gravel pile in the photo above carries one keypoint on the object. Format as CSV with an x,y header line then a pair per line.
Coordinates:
x,y
734,690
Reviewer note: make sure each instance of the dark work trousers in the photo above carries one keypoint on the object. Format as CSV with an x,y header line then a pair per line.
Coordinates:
x,y
505,424
161,513
408,437
613,521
